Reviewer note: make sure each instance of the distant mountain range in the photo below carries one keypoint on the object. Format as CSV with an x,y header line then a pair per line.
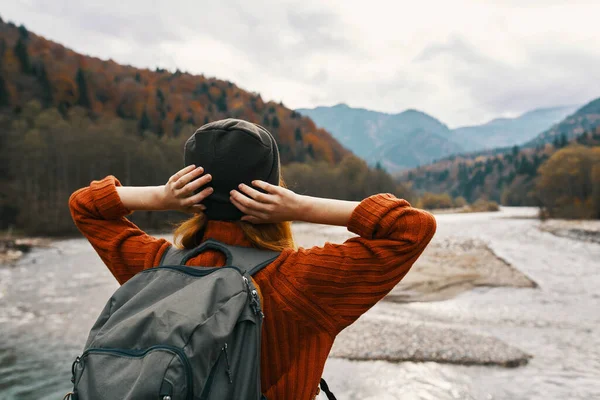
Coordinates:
x,y
505,132
412,138
508,174
397,141
585,119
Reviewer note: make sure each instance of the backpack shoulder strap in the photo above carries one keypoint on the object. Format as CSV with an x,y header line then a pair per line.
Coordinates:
x,y
248,259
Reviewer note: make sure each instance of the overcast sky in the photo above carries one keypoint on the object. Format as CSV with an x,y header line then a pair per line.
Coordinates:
x,y
463,61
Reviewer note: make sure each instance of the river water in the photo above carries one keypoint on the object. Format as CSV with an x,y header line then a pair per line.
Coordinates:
x,y
50,299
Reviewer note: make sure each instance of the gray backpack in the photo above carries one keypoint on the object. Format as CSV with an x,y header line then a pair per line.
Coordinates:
x,y
175,332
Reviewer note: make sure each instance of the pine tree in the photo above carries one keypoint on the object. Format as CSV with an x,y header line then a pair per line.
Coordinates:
x,y
177,125
84,97
563,140
23,32
310,150
4,93
23,56
3,48
275,123
298,134
144,124
42,76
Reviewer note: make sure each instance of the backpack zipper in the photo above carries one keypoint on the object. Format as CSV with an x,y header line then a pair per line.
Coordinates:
x,y
228,370
140,353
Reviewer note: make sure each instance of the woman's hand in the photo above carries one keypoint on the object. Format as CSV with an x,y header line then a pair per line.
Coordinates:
x,y
276,205
280,204
178,192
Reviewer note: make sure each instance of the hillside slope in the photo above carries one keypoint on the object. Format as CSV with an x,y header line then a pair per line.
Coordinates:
x,y
159,102
584,119
507,178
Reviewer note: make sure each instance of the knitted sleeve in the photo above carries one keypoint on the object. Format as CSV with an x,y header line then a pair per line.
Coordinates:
x,y
99,214
337,283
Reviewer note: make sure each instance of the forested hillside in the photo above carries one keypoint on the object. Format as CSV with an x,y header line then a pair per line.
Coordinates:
x,y
159,102
523,177
584,120
66,119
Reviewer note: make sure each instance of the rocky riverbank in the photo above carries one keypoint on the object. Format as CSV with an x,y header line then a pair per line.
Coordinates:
x,y
12,249
448,267
371,339
586,230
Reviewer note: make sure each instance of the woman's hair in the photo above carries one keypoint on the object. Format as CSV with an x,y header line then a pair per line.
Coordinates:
x,y
276,236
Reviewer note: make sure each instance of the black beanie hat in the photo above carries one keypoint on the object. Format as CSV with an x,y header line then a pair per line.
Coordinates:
x,y
233,151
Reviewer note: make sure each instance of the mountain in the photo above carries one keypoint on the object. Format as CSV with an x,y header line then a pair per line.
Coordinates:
x,y
506,132
157,102
584,119
397,141
506,175
412,138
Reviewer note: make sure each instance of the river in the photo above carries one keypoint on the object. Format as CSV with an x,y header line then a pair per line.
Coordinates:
x,y
50,299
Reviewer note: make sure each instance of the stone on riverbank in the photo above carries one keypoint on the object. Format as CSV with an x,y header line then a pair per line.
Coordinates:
x,y
11,250
372,339
584,230
454,265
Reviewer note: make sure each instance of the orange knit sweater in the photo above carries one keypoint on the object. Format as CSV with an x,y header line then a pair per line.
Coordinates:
x,y
310,295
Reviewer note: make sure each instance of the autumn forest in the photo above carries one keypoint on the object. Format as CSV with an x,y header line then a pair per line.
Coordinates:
x,y
67,119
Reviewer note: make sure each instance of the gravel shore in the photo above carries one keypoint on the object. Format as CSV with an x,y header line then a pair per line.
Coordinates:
x,y
587,231
449,266
373,339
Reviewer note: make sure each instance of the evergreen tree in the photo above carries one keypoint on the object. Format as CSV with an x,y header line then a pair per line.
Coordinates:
x,y
3,48
84,97
177,125
42,76
556,142
138,77
221,103
23,32
4,93
266,121
160,96
515,151
563,140
310,150
275,123
144,123
298,134
23,56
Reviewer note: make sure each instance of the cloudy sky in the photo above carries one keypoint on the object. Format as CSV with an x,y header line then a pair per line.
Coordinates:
x,y
463,61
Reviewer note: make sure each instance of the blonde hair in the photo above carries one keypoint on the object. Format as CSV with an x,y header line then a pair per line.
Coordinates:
x,y
275,236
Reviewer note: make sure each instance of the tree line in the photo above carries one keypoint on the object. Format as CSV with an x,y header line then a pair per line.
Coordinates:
x,y
45,156
524,177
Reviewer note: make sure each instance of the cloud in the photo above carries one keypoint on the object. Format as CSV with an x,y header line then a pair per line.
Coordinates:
x,y
464,61
546,77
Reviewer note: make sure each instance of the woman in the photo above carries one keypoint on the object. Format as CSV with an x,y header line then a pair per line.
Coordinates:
x,y
231,183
